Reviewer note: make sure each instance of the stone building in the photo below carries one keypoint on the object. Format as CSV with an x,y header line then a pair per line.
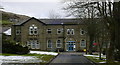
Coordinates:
x,y
51,34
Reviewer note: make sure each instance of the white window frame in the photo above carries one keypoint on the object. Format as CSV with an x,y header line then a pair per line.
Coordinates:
x,y
49,30
35,29
70,31
82,30
58,43
32,29
33,42
82,43
49,43
37,45
60,29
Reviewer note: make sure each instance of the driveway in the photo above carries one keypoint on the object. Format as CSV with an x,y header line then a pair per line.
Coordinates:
x,y
71,58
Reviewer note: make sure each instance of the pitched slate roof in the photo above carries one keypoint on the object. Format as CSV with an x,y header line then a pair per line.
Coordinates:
x,y
53,21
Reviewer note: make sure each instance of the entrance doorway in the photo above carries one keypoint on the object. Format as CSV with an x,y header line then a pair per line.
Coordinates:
x,y
70,46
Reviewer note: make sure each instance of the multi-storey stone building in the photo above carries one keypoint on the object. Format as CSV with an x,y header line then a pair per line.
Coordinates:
x,y
51,34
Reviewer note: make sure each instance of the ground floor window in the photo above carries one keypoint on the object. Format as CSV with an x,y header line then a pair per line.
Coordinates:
x,y
33,44
83,43
58,43
49,43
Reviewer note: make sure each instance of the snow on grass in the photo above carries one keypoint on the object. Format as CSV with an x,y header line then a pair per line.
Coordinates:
x,y
103,56
43,52
25,59
102,62
19,59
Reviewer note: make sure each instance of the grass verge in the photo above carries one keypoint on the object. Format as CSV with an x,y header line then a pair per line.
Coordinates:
x,y
97,61
43,57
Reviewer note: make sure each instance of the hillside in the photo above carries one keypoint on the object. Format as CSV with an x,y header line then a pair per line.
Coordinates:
x,y
9,18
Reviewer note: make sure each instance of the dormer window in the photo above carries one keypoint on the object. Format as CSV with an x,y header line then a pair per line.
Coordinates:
x,y
33,30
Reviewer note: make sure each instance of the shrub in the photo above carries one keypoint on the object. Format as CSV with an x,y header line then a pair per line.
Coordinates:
x,y
11,47
117,55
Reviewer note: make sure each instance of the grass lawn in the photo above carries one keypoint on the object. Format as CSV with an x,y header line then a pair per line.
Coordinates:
x,y
43,57
97,61
94,59
3,22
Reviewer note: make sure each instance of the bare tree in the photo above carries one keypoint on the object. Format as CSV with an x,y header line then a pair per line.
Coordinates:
x,y
54,15
87,12
105,12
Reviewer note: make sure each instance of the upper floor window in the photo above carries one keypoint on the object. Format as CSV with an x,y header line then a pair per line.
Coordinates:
x,y
49,43
70,31
33,30
82,32
18,32
49,30
59,31
58,43
83,43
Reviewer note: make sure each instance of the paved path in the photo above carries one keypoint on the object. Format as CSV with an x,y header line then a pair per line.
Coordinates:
x,y
71,58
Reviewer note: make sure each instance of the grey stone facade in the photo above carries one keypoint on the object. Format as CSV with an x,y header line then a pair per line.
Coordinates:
x,y
51,34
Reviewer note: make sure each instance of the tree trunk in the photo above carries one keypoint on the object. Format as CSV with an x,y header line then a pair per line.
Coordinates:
x,y
91,44
110,52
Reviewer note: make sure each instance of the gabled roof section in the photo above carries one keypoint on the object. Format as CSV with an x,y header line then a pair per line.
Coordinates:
x,y
25,21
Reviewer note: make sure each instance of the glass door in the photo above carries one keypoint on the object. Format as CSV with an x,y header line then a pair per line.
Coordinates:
x,y
70,46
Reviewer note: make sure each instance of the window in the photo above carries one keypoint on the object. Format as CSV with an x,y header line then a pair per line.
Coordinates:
x,y
59,31
37,45
82,32
58,43
83,43
33,44
29,44
33,30
70,31
49,44
18,32
49,31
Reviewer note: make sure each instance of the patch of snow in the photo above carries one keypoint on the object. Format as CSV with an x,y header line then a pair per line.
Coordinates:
x,y
96,58
102,62
8,32
43,52
103,56
115,61
19,59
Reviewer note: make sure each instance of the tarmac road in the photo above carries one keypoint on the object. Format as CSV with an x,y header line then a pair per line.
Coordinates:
x,y
71,58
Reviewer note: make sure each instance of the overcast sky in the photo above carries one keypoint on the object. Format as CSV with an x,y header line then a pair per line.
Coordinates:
x,y
34,8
